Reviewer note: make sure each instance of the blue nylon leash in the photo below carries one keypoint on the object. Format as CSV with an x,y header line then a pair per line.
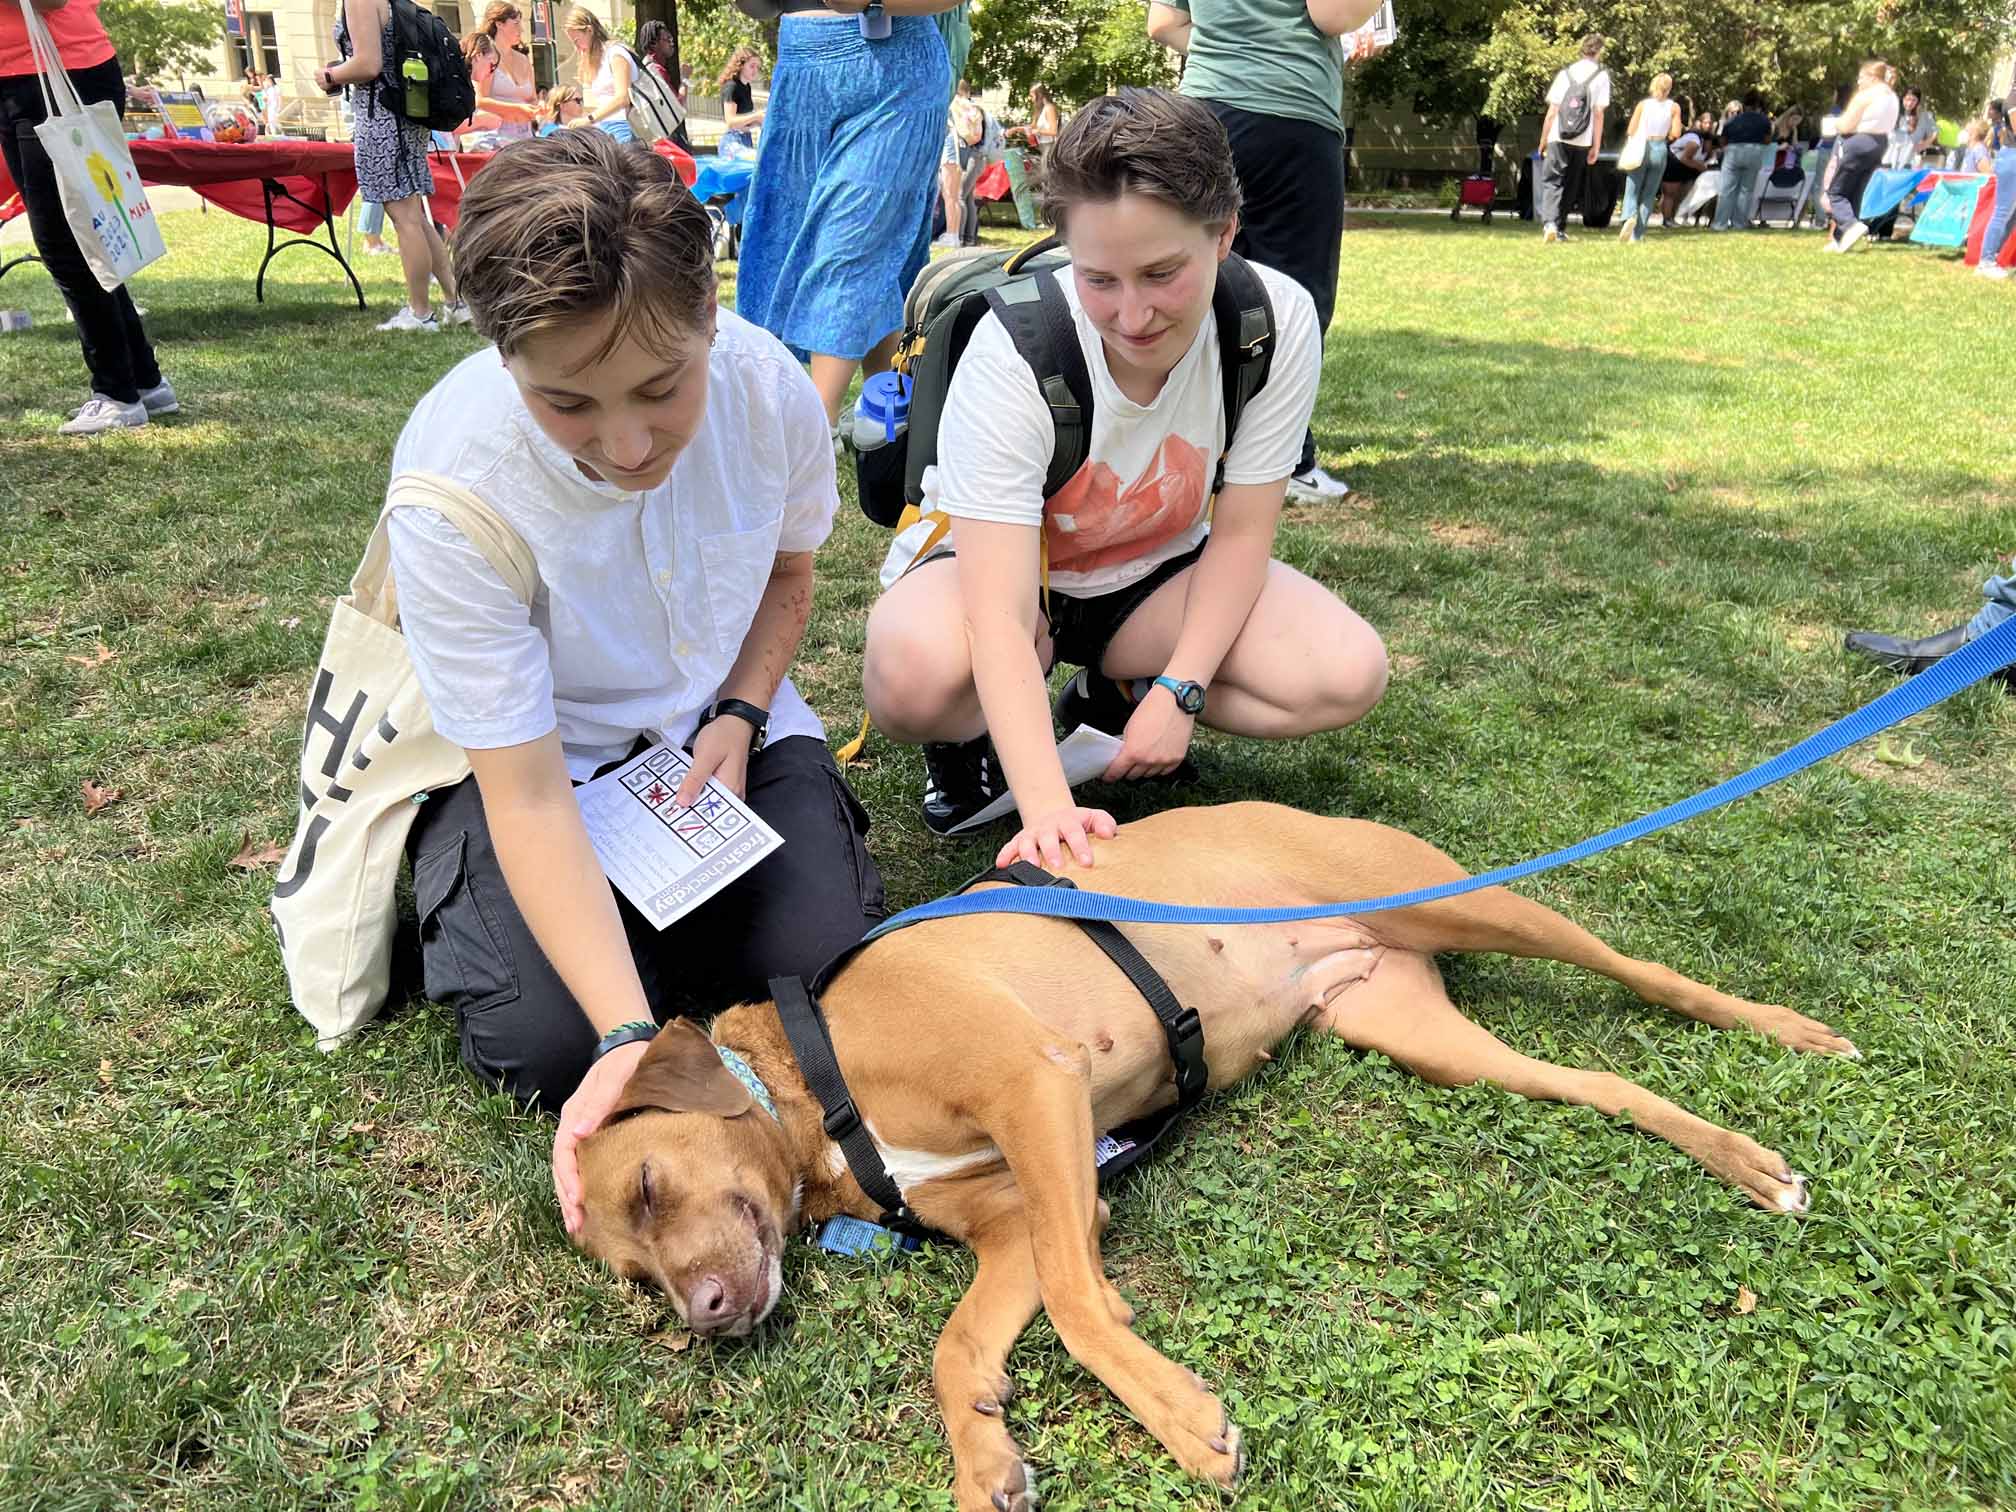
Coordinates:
x,y
1970,664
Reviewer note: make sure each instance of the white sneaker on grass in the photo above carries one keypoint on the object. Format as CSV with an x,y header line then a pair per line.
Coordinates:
x,y
1852,235
1991,270
100,413
406,320
1317,487
160,399
457,314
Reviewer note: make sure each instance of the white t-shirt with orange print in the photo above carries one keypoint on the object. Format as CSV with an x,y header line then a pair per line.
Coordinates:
x,y
1140,497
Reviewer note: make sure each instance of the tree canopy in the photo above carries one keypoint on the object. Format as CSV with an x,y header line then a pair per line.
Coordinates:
x,y
1075,48
158,39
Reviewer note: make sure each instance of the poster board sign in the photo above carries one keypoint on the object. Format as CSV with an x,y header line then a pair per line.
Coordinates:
x,y
1375,35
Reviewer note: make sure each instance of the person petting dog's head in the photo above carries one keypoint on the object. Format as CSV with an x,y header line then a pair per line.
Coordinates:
x,y
591,267
1141,186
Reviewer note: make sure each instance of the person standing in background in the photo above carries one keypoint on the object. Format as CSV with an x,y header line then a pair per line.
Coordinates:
x,y
840,217
126,384
1745,135
510,97
658,54
1044,122
603,67
738,98
1571,138
1656,121
1272,71
1865,133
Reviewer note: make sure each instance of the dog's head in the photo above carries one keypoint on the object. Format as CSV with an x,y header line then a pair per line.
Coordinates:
x,y
690,1187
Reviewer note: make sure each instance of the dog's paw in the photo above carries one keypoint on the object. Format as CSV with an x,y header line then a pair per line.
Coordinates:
x,y
1764,1176
1200,1433
1795,1031
1005,1484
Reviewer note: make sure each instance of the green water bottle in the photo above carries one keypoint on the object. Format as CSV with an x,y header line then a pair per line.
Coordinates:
x,y
414,72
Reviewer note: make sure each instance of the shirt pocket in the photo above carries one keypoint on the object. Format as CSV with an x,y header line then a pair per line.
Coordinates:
x,y
737,564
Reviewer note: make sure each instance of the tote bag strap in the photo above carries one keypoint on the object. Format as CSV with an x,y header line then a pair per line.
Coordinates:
x,y
372,591
59,95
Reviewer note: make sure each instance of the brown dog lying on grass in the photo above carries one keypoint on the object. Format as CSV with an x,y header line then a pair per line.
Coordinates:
x,y
986,1052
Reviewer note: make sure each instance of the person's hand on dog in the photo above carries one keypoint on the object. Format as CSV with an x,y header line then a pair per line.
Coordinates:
x,y
720,751
1044,840
1156,739
581,1115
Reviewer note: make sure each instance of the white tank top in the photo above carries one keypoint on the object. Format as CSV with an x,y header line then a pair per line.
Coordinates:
x,y
1655,119
504,87
1880,119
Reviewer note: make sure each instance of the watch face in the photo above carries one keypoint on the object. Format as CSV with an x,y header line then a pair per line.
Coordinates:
x,y
1190,697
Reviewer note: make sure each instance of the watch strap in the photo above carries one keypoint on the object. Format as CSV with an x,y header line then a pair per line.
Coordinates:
x,y
623,1034
759,719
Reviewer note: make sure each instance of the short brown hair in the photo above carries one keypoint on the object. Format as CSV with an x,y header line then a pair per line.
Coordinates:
x,y
1148,142
1593,45
575,226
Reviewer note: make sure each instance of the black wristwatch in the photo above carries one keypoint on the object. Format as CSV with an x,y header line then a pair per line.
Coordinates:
x,y
1189,695
759,719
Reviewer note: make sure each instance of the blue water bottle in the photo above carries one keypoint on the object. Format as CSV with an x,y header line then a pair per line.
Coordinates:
x,y
875,21
881,452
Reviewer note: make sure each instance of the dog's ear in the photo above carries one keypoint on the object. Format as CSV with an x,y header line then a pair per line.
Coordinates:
x,y
682,1072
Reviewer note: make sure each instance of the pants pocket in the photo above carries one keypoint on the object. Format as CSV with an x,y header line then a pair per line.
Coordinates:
x,y
465,955
853,821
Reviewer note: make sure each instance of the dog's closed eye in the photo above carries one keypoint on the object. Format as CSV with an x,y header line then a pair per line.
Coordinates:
x,y
648,1199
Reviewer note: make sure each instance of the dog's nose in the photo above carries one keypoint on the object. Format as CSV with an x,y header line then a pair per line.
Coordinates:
x,y
707,1305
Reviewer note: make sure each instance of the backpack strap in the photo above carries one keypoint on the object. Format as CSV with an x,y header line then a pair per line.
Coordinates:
x,y
1246,340
372,591
1037,318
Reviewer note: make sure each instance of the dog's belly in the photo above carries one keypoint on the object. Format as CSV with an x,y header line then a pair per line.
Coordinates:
x,y
1252,987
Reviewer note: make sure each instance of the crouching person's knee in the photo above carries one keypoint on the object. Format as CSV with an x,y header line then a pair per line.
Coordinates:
x,y
913,678
537,1057
1357,679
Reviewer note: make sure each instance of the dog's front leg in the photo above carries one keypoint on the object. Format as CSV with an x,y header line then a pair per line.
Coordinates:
x,y
969,1370
1044,1130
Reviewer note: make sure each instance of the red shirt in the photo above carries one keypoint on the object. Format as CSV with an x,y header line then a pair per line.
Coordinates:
x,y
80,37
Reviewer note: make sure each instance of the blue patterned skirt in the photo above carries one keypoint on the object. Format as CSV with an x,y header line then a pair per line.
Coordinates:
x,y
840,207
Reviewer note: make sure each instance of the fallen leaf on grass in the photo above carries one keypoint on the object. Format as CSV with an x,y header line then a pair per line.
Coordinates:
x,y
678,1340
97,797
253,856
97,658
1746,1301
292,622
105,1072
1903,754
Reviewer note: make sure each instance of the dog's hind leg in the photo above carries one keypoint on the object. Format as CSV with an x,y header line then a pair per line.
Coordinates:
x,y
1402,1012
1045,1133
1497,920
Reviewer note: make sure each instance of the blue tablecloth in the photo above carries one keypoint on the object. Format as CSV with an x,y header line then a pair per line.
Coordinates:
x,y
1888,189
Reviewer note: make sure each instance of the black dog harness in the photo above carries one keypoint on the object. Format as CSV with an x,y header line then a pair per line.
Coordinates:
x,y
1120,1150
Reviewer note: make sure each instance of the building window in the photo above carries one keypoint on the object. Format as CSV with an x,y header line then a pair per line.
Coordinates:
x,y
258,48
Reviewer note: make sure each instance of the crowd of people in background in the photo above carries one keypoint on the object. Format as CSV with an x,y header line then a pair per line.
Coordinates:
x,y
1667,147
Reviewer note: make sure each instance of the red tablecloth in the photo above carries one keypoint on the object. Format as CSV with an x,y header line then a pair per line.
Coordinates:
x,y
318,174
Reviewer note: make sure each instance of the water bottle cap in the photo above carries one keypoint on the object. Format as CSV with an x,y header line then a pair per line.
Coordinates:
x,y
886,397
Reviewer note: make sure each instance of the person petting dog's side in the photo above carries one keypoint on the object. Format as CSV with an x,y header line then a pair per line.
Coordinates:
x,y
668,466
1170,602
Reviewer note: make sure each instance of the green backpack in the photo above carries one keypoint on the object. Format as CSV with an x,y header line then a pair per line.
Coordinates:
x,y
1023,289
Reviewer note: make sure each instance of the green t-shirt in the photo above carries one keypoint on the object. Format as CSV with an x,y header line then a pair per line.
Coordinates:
x,y
1265,56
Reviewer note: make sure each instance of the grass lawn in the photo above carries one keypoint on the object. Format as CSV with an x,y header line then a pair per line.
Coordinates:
x,y
1615,507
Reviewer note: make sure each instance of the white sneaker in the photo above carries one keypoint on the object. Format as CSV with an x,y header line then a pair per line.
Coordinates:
x,y
381,250
1548,233
948,240
1317,487
161,400
1990,270
102,414
1852,235
457,314
406,320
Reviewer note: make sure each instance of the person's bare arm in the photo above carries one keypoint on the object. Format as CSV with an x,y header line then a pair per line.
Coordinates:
x,y
1631,126
1334,18
367,56
1547,129
549,865
721,749
741,120
1170,26
617,103
504,110
1851,118
1596,137
999,579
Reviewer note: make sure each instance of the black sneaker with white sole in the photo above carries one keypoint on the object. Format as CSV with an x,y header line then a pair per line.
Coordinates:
x,y
959,780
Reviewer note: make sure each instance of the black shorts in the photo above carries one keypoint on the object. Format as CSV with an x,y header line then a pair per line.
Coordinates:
x,y
1082,628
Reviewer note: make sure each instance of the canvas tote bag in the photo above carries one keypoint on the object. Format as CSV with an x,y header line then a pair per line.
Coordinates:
x,y
369,752
100,189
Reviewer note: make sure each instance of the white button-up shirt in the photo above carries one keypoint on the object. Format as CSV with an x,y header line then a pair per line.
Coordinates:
x,y
644,598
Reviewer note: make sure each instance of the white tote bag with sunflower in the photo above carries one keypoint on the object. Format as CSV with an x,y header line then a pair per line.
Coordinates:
x,y
102,198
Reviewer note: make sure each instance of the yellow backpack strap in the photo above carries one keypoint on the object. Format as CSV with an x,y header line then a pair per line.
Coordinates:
x,y
853,748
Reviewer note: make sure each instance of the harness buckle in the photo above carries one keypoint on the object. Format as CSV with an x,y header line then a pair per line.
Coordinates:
x,y
1192,1074
842,1120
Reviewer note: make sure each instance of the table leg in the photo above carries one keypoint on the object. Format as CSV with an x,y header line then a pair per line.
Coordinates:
x,y
14,262
275,246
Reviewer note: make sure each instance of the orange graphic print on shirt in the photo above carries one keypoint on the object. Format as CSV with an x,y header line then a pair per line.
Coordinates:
x,y
1093,522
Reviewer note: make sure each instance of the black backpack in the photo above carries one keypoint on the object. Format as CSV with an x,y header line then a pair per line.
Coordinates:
x,y
1023,290
1572,116
419,34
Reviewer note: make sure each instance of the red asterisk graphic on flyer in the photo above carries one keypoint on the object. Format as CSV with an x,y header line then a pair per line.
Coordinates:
x,y
656,794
